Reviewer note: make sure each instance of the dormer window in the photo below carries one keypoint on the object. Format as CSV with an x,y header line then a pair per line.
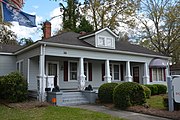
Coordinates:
x,y
101,41
105,42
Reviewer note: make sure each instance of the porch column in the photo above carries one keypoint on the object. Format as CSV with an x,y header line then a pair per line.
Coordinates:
x,y
107,76
128,77
167,71
146,75
41,77
82,76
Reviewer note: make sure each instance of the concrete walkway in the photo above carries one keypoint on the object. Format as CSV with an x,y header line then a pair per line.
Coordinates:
x,y
119,113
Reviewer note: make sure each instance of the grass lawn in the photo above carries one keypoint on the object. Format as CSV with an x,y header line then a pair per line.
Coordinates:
x,y
52,113
156,102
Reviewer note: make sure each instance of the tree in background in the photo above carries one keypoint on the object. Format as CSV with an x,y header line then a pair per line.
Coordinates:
x,y
84,26
25,41
7,36
161,26
70,14
111,13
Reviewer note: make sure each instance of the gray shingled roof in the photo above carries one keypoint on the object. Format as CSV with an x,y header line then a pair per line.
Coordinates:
x,y
71,38
9,48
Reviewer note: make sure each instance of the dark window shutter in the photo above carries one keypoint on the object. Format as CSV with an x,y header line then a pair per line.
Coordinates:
x,y
121,74
103,71
150,73
65,70
164,70
90,71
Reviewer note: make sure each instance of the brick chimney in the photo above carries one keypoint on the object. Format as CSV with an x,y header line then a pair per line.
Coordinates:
x,y
46,30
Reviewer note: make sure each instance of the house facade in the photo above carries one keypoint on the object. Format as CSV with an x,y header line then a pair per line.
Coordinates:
x,y
73,61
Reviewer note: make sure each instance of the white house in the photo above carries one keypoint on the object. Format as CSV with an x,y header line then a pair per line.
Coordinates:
x,y
73,61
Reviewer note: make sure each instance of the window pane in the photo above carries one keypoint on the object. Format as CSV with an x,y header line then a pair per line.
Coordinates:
x,y
73,76
116,72
73,71
21,67
101,41
154,74
17,65
160,74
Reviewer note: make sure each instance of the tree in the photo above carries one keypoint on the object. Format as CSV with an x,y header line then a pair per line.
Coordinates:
x,y
84,26
25,41
161,22
70,14
7,36
110,12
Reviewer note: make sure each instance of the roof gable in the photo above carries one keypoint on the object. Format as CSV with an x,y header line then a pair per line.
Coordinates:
x,y
97,32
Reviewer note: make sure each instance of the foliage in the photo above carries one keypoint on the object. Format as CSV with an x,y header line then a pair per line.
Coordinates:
x,y
128,94
105,92
13,87
7,36
52,113
26,41
84,26
110,13
153,88
70,14
147,91
162,89
161,31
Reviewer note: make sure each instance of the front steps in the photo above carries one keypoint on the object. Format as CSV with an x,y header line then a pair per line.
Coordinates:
x,y
73,98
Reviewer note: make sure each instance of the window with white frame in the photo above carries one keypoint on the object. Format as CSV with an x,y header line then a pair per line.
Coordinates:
x,y
73,70
105,41
115,71
19,66
158,74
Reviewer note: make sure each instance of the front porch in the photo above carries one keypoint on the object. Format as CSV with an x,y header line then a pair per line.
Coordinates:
x,y
70,73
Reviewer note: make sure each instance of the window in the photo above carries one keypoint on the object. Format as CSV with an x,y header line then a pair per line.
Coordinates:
x,y
105,41
115,71
101,41
73,70
158,74
19,66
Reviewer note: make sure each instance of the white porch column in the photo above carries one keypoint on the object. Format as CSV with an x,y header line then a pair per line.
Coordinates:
x,y
146,75
82,76
167,71
128,77
42,77
107,76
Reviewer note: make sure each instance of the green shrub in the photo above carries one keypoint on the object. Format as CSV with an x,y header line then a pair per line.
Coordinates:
x,y
147,91
13,87
162,89
105,92
153,88
128,94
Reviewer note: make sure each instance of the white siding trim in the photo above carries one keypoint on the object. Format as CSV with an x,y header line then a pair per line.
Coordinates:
x,y
28,69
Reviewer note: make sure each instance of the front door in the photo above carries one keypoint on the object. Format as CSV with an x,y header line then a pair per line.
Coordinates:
x,y
136,74
53,70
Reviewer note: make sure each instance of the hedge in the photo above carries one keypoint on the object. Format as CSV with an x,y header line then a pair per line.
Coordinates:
x,y
147,91
105,92
128,94
153,88
13,87
162,89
